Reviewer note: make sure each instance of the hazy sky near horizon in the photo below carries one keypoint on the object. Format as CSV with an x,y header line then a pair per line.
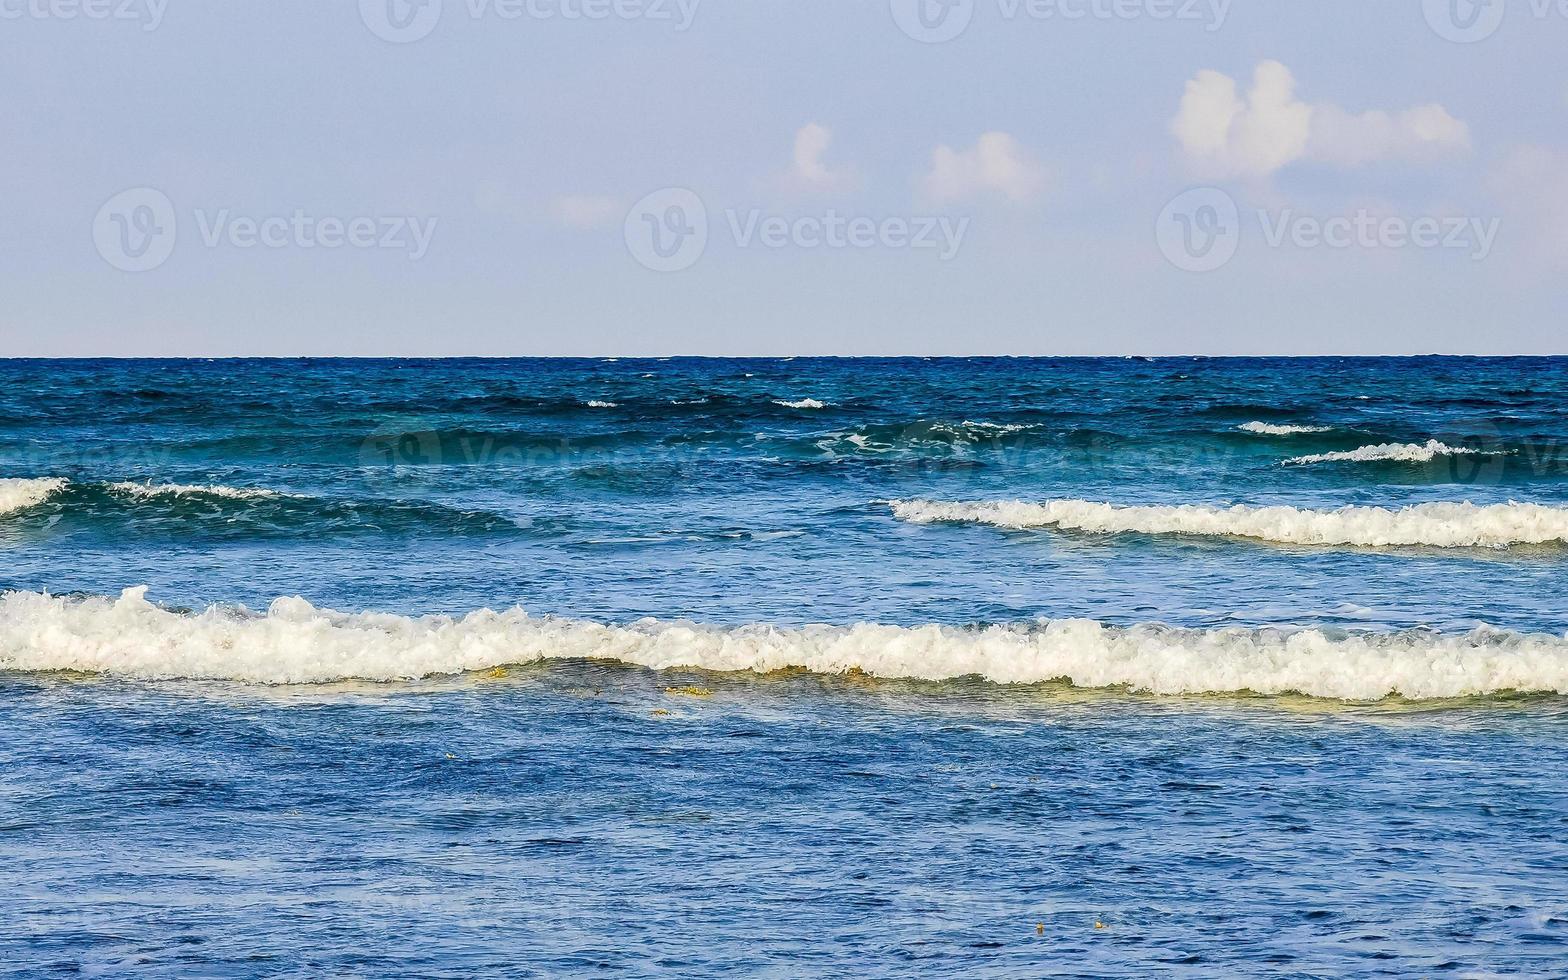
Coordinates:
x,y
624,177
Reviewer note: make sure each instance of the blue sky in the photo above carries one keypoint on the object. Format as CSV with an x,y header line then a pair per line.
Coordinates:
x,y
305,177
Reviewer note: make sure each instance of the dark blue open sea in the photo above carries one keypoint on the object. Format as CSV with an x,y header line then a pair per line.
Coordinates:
x,y
783,668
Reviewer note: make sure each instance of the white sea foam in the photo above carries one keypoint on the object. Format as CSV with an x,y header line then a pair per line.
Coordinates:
x,y
956,434
803,403
599,404
1436,525
1265,429
967,429
295,643
1398,452
21,494
149,490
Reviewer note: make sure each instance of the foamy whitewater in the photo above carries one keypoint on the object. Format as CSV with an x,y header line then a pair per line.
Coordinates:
x,y
148,490
1396,452
1265,429
295,643
803,403
17,494
1434,525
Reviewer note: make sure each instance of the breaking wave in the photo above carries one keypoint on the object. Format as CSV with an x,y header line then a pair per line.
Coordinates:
x,y
192,511
1435,525
21,494
1397,452
147,490
296,643
803,403
1265,429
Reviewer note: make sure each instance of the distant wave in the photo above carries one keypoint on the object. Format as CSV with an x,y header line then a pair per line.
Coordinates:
x,y
208,510
1398,452
925,434
146,490
967,428
1265,429
601,404
296,643
1436,525
21,494
803,403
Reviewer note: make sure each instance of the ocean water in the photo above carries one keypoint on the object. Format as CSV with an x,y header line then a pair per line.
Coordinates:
x,y
993,667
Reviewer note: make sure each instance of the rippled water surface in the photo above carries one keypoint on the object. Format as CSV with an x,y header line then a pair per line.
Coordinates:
x,y
1341,754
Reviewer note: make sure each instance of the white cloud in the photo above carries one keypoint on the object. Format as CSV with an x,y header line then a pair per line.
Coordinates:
x,y
808,171
1224,135
996,164
583,212
1352,140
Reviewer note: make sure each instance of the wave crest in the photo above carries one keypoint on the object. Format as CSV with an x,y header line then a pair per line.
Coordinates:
x,y
18,494
148,490
296,643
1265,429
1435,525
1397,452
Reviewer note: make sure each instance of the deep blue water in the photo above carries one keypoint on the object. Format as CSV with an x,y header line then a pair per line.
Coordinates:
x,y
163,815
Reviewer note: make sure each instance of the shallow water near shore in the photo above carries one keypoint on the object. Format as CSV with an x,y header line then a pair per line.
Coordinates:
x,y
584,818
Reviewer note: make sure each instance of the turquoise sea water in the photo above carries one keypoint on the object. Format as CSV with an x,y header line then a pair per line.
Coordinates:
x,y
1274,746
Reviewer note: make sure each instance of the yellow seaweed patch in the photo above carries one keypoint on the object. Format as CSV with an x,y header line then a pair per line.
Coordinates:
x,y
788,672
855,675
690,692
